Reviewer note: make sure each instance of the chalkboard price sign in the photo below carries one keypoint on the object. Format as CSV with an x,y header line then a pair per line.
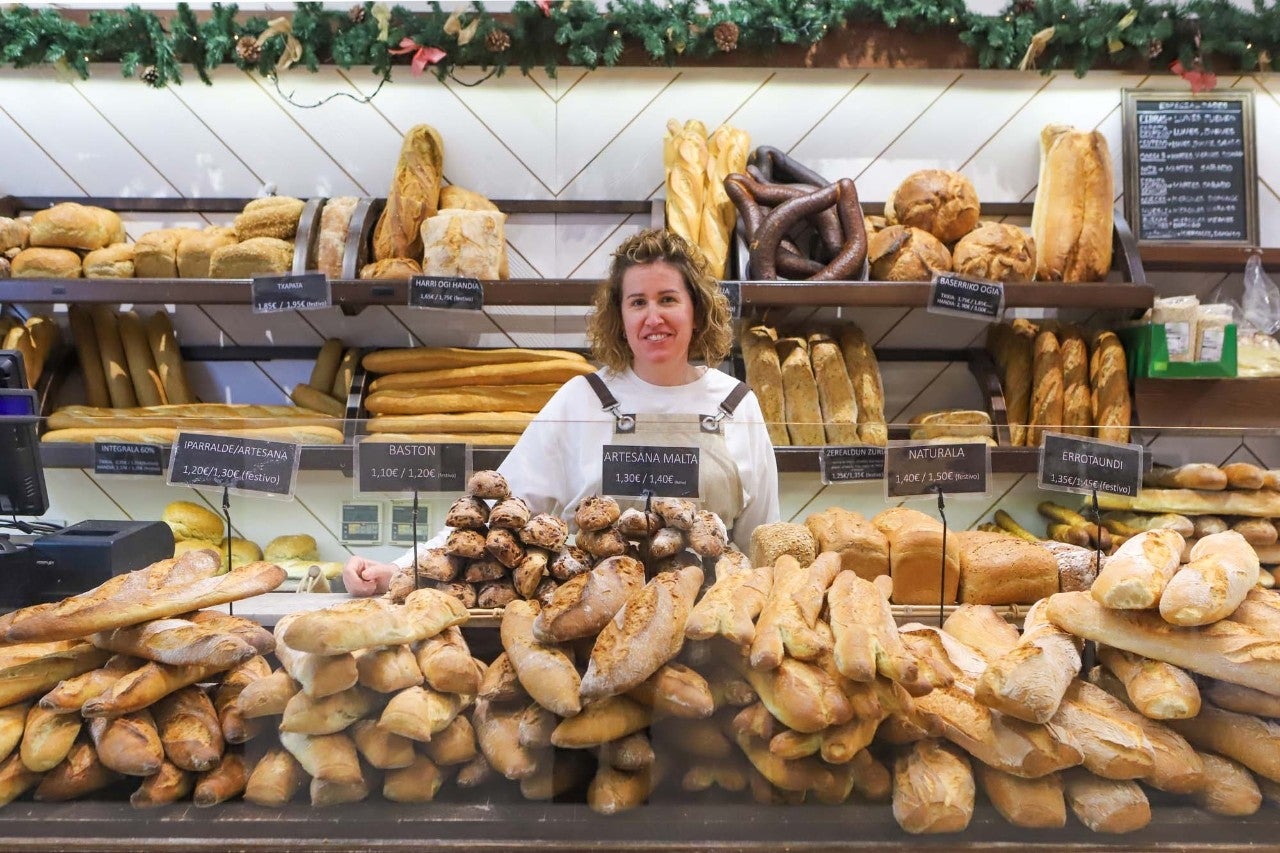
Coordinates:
x,y
1189,164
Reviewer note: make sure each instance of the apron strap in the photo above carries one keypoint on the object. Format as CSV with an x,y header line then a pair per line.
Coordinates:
x,y
711,423
622,423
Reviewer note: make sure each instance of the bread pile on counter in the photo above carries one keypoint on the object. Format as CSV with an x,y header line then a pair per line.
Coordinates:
x,y
36,338
815,390
481,396
105,685
1053,381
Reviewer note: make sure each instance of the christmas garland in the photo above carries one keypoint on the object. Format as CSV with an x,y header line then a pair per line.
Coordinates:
x,y
1049,34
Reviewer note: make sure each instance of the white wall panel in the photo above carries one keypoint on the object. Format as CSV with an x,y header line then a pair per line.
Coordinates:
x,y
29,169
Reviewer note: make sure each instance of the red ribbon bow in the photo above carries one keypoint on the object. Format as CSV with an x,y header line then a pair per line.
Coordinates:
x,y
422,55
1200,79
545,6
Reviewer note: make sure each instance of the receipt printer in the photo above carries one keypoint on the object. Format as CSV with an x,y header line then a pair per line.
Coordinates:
x,y
84,555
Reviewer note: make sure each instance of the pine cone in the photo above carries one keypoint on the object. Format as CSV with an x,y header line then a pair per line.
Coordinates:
x,y
497,41
1155,47
356,14
150,75
726,36
247,48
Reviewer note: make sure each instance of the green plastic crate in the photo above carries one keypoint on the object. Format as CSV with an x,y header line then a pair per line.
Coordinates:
x,y
1147,353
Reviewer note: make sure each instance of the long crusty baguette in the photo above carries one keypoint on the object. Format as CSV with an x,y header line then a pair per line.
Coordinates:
x,y
477,423
367,623
519,373
71,693
1222,570
1161,691
508,398
128,603
1030,680
1137,573
168,359
187,416
415,359
175,641
1260,504
1197,475
1225,650
144,687
144,375
305,435
401,431
1253,742
868,390
545,670
86,343
764,375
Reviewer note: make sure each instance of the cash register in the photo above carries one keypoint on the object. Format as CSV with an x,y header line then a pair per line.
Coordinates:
x,y
43,563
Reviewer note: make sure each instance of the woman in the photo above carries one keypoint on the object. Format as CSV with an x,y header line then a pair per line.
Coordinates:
x,y
658,309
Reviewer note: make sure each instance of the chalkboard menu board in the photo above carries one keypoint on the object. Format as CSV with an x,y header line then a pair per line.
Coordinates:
x,y
1190,168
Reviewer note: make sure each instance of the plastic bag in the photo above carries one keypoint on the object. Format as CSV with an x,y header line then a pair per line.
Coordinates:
x,y
1261,303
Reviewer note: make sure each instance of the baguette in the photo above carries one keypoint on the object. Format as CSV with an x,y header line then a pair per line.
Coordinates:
x,y
325,370
403,429
446,663
89,356
498,734
136,597
79,774
275,780
222,782
111,350
763,372
189,729
676,690
1198,475
788,622
144,687
381,748
609,719
545,670
1225,650
167,785
1136,575
1253,742
389,670
192,416
835,391
730,607
267,696
1031,803
1106,805
318,675
508,398
246,629
367,623
416,359
23,679
866,639
933,789
329,758
583,605
327,715
141,365
520,373
47,738
1234,792
1223,568
341,387
802,696
646,633
1109,379
128,744
1030,680
176,641
1244,475
306,397
868,390
800,394
478,424
1257,504
1046,388
1242,700
15,779
1159,690
1077,407
13,720
305,435
236,728
417,783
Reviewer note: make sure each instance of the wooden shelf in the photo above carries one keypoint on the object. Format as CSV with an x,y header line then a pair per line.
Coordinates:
x,y
568,292
1173,257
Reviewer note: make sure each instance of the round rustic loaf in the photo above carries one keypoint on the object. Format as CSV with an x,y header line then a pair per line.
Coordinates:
x,y
996,251
939,201
904,253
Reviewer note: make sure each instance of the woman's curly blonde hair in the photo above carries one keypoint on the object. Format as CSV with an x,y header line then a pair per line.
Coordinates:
x,y
712,332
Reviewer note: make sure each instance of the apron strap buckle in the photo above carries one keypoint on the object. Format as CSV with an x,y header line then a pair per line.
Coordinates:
x,y
711,423
622,423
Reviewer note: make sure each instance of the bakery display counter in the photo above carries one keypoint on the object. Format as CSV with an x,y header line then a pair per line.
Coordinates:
x,y
501,821
573,292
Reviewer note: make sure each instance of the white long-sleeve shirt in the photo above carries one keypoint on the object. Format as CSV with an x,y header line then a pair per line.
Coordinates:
x,y
556,463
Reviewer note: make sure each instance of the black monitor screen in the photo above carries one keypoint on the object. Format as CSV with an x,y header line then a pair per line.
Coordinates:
x,y
22,487
20,405
12,371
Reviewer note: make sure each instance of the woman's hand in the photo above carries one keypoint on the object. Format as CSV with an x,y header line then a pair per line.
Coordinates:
x,y
364,577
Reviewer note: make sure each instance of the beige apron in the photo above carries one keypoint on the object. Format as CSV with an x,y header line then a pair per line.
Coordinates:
x,y
719,486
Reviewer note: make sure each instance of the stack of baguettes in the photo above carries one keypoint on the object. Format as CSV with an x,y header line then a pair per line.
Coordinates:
x,y
1200,499
815,389
105,685
478,396
698,207
1053,381
626,698
136,388
368,691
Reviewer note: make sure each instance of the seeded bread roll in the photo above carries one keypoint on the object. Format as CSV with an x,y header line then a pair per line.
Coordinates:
x,y
256,256
274,216
468,512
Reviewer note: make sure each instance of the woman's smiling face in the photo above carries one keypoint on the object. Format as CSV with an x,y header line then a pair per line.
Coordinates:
x,y
657,314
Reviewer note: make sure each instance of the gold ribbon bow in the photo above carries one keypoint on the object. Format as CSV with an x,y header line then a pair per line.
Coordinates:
x,y
292,47
453,27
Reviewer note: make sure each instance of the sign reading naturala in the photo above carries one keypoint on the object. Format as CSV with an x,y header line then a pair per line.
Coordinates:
x,y
922,470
